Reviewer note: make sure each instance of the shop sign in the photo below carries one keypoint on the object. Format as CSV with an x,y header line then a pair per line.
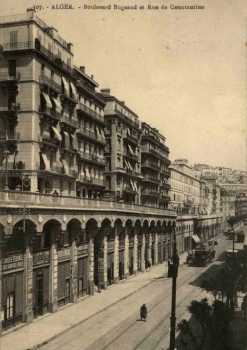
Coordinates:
x,y
13,262
41,258
83,250
64,253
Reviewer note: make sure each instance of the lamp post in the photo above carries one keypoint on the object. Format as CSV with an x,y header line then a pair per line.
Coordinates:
x,y
6,155
173,273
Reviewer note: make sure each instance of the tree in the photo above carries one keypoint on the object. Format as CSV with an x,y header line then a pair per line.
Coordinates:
x,y
212,329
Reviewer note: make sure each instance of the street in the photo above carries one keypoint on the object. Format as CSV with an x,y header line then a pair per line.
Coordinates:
x,y
119,326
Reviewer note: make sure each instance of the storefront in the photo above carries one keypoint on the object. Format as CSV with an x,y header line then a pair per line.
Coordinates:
x,y
131,254
139,252
110,260
160,249
64,276
41,261
12,290
83,271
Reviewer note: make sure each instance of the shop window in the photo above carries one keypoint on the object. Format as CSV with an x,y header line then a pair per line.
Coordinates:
x,y
12,68
10,306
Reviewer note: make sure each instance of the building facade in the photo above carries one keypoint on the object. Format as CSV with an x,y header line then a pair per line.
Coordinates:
x,y
84,186
185,188
122,151
155,168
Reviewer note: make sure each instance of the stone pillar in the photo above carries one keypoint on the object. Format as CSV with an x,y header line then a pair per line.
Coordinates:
x,y
135,267
1,284
91,266
116,258
105,262
53,277
28,284
149,248
126,256
156,238
143,267
74,272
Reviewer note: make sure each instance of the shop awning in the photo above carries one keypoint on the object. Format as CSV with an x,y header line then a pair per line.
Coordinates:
x,y
65,86
47,100
75,141
46,161
57,134
73,89
65,166
196,239
58,105
130,166
130,149
127,165
135,185
132,185
66,140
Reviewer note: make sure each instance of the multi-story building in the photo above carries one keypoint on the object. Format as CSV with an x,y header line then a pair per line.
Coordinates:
x,y
197,204
122,152
185,187
58,238
90,138
155,168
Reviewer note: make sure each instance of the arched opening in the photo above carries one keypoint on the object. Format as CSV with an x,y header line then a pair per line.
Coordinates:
x,y
147,255
13,271
108,231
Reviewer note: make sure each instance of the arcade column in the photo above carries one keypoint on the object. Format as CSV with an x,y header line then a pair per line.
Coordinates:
x,y
28,283
91,266
126,256
53,276
116,258
74,272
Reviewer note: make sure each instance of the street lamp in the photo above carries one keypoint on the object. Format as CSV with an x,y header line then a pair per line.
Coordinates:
x,y
173,266
6,154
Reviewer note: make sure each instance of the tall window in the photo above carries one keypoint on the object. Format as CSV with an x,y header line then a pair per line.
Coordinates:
x,y
12,68
13,37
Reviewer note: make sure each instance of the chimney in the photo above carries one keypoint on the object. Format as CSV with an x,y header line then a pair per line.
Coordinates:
x,y
105,92
82,69
69,46
123,102
30,12
92,76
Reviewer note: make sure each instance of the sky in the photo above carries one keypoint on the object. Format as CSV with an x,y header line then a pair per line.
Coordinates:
x,y
181,71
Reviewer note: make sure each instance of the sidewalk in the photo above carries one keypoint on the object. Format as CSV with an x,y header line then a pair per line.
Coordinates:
x,y
45,328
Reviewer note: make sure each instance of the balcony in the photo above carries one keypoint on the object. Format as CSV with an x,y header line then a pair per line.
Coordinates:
x,y
157,142
10,110
73,123
131,156
91,181
41,50
50,83
152,179
150,193
6,78
13,137
150,165
92,158
37,200
91,135
50,113
90,113
132,138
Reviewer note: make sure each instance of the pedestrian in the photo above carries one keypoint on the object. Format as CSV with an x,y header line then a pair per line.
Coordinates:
x,y
148,265
143,312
